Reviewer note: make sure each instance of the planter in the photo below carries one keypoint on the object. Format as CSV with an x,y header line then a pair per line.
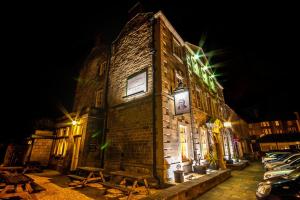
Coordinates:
x,y
178,176
213,166
200,169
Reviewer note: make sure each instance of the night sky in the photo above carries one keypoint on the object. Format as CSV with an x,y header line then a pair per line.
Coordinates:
x,y
45,44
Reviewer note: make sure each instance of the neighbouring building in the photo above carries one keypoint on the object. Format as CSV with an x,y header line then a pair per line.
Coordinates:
x,y
39,147
276,134
150,103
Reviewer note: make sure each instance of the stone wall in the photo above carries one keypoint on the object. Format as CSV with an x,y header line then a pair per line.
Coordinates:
x,y
170,65
89,80
129,133
41,151
90,154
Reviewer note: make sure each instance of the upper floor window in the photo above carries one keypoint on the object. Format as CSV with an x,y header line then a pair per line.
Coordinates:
x,y
98,101
277,123
177,51
102,67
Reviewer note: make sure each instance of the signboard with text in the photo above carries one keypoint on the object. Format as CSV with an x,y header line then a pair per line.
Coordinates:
x,y
137,83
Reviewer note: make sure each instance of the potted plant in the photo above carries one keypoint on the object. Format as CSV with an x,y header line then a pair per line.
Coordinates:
x,y
198,168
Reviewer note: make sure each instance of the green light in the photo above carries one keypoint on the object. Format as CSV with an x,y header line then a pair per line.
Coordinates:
x,y
196,56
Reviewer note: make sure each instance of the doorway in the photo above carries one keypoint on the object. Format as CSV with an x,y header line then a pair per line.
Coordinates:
x,y
75,155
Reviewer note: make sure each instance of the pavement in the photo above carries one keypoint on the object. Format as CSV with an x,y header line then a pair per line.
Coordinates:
x,y
241,186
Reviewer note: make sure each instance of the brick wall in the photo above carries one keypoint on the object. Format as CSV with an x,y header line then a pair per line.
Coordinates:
x,y
168,133
41,151
89,80
130,118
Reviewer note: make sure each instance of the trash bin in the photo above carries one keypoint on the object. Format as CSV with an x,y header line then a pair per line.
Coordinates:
x,y
178,175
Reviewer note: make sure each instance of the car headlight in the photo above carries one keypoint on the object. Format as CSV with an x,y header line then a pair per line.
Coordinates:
x,y
263,190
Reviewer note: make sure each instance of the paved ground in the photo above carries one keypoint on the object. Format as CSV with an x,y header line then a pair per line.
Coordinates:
x,y
57,188
241,186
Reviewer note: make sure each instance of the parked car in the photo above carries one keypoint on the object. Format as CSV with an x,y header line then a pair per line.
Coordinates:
x,y
292,157
276,173
272,156
293,163
280,188
280,158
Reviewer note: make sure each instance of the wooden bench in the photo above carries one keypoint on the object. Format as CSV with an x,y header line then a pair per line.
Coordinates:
x,y
75,177
136,177
16,185
115,186
94,174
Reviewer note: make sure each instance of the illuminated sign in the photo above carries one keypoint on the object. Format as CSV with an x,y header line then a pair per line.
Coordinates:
x,y
182,102
137,83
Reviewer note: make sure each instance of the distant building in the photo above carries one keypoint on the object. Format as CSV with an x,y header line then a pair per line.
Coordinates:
x,y
265,132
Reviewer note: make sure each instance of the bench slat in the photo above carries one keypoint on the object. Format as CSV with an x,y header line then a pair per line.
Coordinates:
x,y
76,177
116,187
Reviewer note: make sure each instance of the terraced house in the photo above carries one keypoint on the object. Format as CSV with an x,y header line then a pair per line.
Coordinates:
x,y
150,104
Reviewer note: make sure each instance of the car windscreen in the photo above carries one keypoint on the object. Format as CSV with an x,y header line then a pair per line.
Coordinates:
x,y
294,174
292,159
281,157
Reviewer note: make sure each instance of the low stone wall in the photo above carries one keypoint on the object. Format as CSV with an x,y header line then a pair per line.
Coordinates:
x,y
193,188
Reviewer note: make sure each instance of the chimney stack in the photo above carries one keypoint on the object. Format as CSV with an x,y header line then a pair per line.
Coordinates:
x,y
134,10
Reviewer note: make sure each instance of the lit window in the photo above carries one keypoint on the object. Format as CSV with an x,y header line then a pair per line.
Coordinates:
x,y
277,123
289,123
183,142
98,102
177,51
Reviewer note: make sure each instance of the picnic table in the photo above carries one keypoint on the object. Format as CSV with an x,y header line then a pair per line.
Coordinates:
x,y
15,185
14,169
94,174
136,177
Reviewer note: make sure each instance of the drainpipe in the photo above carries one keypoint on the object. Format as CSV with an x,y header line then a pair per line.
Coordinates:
x,y
104,130
153,51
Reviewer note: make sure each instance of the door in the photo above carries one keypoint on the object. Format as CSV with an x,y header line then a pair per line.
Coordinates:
x,y
75,155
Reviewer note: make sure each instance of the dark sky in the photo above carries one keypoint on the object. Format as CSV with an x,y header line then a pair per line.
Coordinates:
x,y
46,43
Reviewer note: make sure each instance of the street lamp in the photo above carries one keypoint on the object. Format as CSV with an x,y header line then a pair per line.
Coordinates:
x,y
74,123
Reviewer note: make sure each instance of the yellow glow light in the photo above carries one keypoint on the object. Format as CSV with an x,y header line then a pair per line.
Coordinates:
x,y
227,124
74,123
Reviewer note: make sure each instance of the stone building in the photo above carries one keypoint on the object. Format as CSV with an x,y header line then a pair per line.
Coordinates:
x,y
267,127
150,104
79,135
276,134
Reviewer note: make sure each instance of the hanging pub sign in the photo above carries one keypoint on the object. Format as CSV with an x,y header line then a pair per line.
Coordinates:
x,y
182,102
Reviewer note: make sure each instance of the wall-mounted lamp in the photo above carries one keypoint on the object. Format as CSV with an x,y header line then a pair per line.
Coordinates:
x,y
227,124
